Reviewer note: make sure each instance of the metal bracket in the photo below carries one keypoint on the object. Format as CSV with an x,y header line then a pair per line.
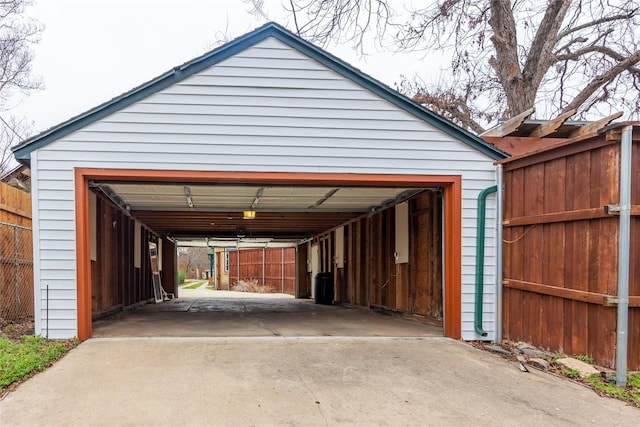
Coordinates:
x,y
614,300
612,209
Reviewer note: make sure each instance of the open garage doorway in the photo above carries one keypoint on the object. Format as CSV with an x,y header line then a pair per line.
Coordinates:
x,y
390,242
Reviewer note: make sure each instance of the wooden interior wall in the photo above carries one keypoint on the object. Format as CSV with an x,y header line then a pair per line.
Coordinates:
x,y
425,243
169,274
371,277
266,267
561,251
303,283
115,282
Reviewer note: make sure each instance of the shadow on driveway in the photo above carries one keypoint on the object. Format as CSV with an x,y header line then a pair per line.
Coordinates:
x,y
298,365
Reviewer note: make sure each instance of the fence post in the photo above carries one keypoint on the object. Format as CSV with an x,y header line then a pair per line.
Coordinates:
x,y
16,299
283,270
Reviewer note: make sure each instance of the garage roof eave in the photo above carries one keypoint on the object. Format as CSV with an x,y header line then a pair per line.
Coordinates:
x,y
23,151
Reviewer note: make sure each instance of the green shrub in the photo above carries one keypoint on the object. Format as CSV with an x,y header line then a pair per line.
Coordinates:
x,y
571,373
21,359
584,358
182,276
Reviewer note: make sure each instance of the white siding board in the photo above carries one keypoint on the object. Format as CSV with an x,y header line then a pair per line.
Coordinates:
x,y
54,184
58,194
270,59
56,224
58,254
55,274
61,304
55,214
263,101
265,121
62,285
221,108
58,245
217,95
59,314
295,71
46,262
294,157
266,109
269,82
166,142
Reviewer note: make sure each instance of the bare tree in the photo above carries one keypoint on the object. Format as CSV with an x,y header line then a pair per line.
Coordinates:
x,y
192,258
12,132
18,33
506,56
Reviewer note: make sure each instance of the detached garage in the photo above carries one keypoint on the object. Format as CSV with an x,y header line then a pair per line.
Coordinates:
x,y
365,183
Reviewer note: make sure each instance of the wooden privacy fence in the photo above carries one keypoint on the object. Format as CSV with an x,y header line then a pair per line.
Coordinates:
x,y
561,249
263,270
16,255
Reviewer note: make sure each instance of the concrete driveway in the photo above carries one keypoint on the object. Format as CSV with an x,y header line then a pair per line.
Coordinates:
x,y
266,378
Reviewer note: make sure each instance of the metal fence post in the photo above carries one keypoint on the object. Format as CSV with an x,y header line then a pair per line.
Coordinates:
x,y
16,299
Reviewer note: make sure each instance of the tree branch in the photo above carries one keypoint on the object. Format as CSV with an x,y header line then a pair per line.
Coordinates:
x,y
450,107
598,22
546,37
574,56
602,80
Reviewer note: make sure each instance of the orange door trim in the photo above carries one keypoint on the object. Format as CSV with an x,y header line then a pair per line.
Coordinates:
x,y
452,220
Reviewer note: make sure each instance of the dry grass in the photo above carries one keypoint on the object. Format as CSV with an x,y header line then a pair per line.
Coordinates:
x,y
251,285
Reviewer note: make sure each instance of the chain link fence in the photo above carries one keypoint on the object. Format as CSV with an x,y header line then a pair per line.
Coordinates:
x,y
16,273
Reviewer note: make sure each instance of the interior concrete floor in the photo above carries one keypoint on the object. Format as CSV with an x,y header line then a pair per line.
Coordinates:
x,y
206,313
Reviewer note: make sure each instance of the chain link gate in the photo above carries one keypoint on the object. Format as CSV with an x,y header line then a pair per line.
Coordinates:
x,y
16,273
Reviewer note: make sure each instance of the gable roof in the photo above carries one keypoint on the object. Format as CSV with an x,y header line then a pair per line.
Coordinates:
x,y
23,150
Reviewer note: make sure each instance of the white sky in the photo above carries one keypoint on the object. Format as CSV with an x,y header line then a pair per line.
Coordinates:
x,y
94,50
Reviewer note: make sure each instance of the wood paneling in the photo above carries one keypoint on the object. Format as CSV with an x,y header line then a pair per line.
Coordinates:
x,y
426,256
372,278
115,282
561,251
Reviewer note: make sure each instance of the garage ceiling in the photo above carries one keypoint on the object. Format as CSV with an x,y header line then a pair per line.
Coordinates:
x,y
196,210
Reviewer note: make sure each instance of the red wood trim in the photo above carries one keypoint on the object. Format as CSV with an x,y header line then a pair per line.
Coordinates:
x,y
452,220
567,147
83,256
453,259
565,293
289,178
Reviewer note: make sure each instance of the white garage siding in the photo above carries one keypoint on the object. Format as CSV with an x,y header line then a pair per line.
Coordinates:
x,y
268,108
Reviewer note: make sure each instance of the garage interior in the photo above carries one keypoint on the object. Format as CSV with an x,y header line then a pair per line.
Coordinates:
x,y
383,244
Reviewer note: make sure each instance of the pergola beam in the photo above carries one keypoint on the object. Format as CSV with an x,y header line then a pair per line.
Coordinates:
x,y
510,125
552,125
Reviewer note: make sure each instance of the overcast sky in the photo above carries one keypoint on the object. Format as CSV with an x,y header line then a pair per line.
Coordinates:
x,y
92,51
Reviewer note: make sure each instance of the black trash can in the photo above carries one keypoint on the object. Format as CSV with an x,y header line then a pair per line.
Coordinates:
x,y
323,287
